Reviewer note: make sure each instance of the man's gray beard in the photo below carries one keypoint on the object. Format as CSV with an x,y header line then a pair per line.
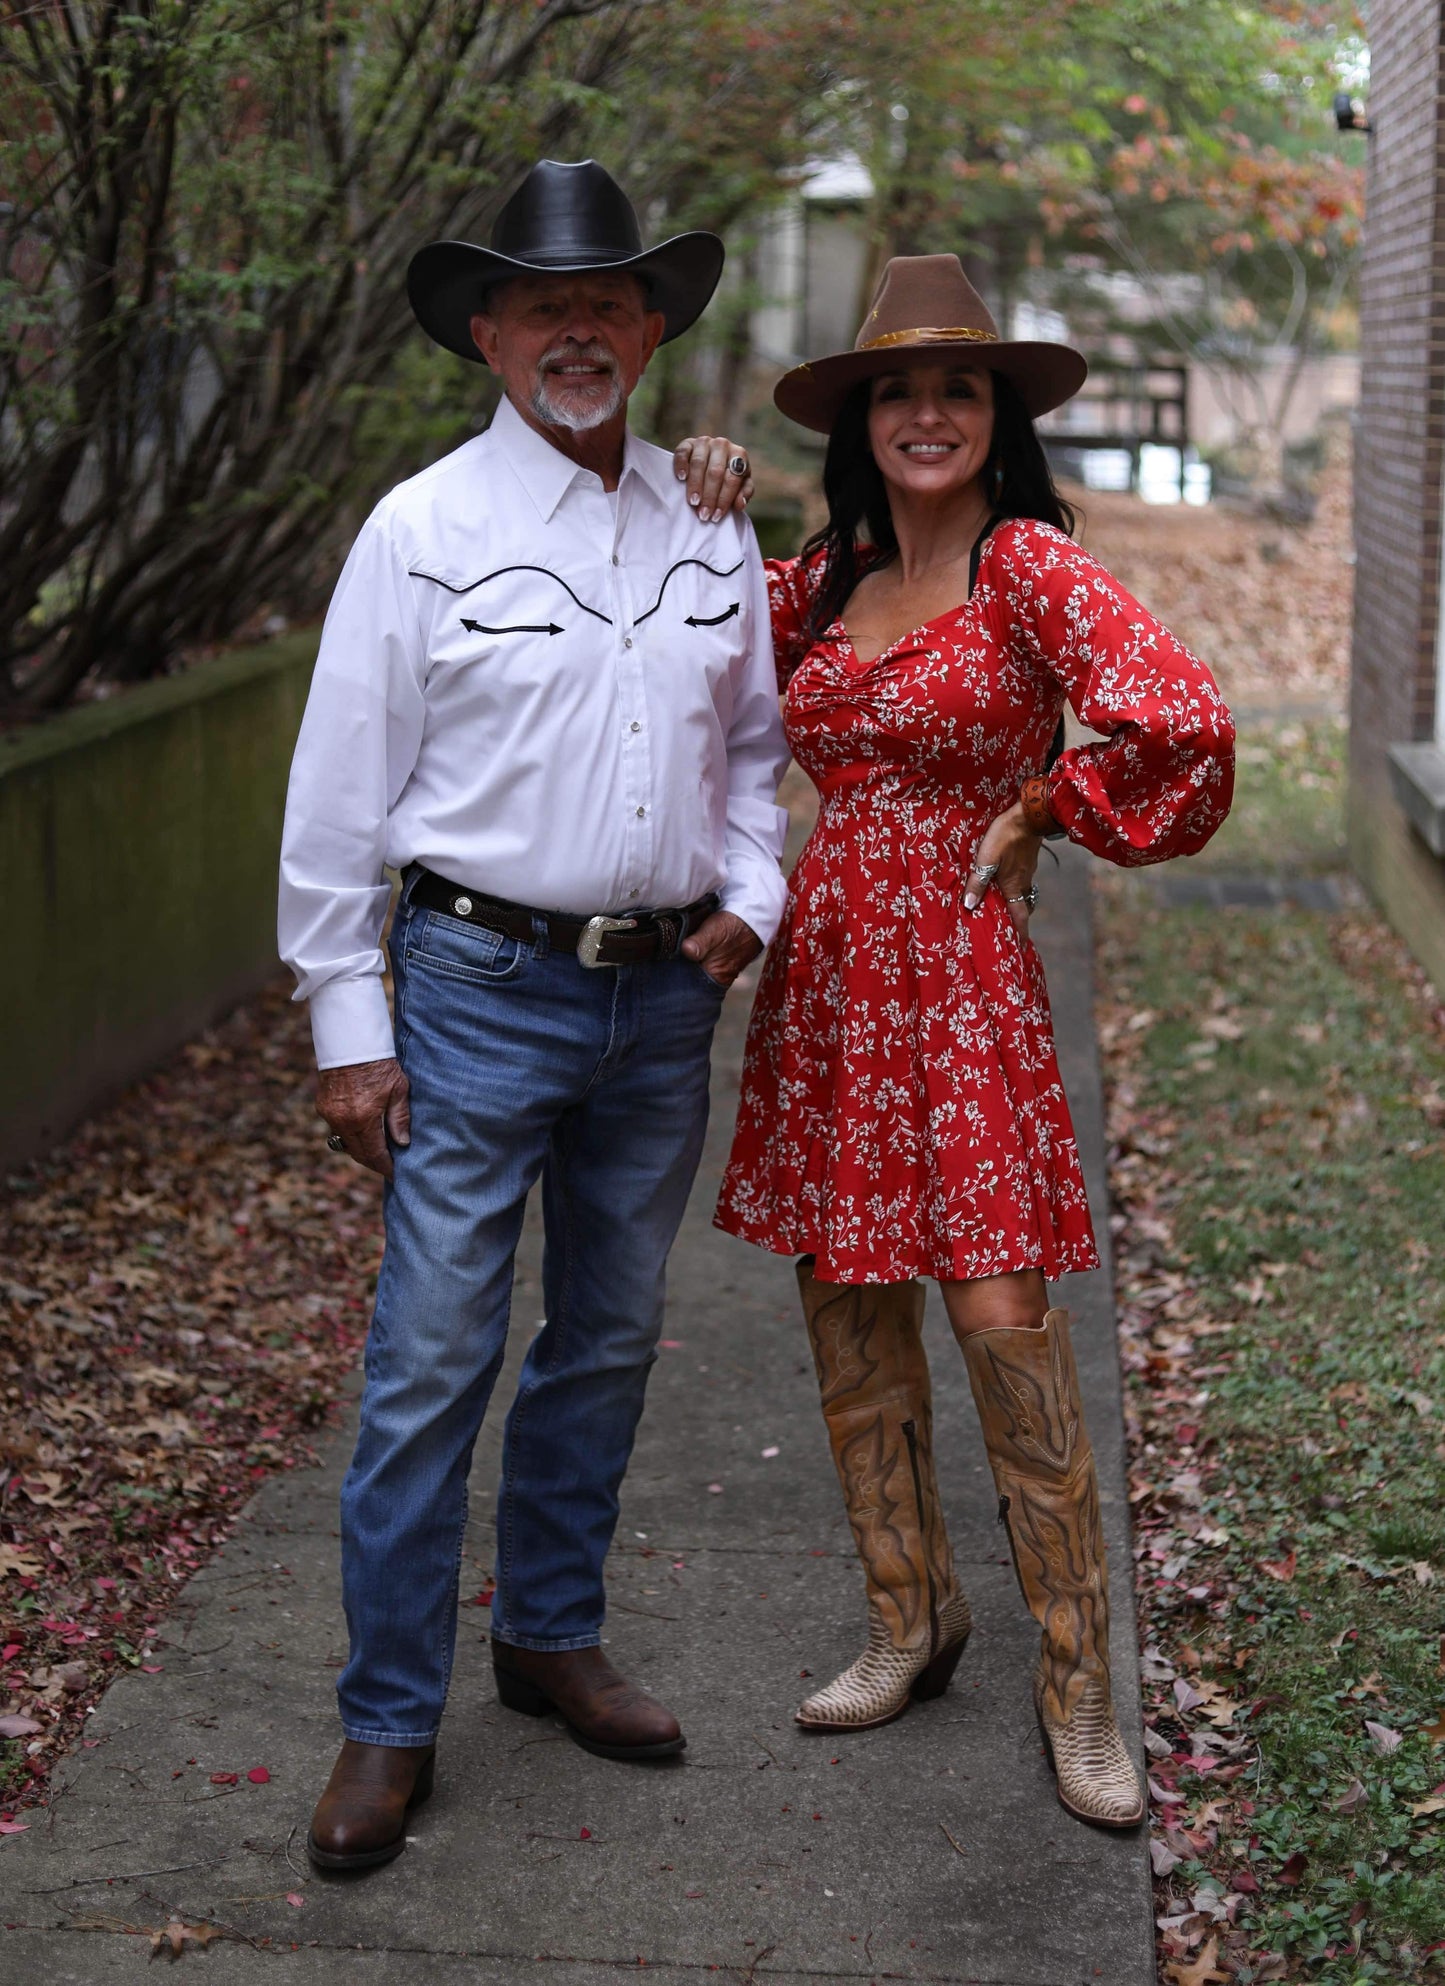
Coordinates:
x,y
577,419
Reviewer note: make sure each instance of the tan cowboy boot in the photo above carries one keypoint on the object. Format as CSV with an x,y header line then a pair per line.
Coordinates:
x,y
868,1348
1027,1391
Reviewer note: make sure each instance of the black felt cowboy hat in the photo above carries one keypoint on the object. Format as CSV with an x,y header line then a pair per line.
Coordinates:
x,y
562,220
925,307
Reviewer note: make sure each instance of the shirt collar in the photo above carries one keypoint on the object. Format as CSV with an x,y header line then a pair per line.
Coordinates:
x,y
546,474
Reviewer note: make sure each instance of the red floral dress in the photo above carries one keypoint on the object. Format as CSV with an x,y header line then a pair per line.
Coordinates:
x,y
901,1111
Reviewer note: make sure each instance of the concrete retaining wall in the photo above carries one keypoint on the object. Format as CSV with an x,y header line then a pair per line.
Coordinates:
x,y
138,841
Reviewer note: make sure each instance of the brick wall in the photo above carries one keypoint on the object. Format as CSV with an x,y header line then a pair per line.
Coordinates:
x,y
1399,459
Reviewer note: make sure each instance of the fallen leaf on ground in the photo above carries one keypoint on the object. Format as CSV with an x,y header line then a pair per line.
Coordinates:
x,y
1292,1869
1383,1738
1201,1971
173,1938
259,1776
1353,1798
1280,1568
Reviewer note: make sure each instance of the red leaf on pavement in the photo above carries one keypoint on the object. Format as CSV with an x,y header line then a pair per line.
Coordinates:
x,y
585,1834
295,1899
259,1776
225,1778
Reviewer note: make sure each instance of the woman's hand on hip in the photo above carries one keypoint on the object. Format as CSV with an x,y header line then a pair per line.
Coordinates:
x,y
1005,860
707,463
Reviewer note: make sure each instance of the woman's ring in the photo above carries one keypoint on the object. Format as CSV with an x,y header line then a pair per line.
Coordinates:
x,y
985,871
1030,896
336,1143
738,464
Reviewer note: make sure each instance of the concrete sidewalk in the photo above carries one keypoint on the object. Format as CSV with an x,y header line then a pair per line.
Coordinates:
x,y
931,1850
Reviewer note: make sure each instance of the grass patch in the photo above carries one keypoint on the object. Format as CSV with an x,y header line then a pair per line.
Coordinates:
x,y
1289,809
1277,1090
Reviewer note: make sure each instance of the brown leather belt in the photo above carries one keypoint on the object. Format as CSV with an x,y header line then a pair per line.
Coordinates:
x,y
653,934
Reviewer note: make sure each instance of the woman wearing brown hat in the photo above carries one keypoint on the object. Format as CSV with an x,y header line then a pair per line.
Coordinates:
x,y
902,1114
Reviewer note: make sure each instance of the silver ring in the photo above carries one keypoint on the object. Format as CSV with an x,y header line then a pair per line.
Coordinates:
x,y
336,1143
1030,896
985,871
738,464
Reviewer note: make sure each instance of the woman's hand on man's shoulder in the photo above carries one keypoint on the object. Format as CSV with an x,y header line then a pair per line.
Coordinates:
x,y
716,487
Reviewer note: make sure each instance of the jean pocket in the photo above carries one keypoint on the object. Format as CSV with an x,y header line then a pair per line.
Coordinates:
x,y
700,971
463,951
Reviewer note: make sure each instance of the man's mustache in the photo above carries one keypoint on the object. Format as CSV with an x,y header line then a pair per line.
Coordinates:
x,y
568,355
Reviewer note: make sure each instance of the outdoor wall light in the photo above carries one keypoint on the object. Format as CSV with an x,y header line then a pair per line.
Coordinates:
x,y
1350,113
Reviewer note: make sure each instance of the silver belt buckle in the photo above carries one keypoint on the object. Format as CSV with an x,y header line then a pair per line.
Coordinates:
x,y
594,931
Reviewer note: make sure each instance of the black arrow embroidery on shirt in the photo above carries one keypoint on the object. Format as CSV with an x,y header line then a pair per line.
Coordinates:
x,y
717,573
501,573
479,627
715,621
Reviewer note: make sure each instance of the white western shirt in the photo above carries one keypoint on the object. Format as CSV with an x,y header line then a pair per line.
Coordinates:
x,y
539,691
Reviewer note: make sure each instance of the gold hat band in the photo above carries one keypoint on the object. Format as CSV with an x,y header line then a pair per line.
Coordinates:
x,y
946,335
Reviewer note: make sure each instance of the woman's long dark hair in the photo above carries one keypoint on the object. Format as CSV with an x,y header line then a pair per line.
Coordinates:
x,y
858,496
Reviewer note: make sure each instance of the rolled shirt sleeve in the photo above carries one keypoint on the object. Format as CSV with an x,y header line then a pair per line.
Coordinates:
x,y
358,744
757,757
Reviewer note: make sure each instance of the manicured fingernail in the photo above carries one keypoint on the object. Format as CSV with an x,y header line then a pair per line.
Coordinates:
x,y
694,499
704,514
970,902
681,474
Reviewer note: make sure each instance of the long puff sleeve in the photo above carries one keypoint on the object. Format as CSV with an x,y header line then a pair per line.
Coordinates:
x,y
792,587
1161,780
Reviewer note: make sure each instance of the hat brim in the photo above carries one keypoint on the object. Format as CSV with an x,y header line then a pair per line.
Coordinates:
x,y
1045,375
447,280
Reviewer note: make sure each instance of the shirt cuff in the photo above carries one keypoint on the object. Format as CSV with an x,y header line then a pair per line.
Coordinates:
x,y
757,898
350,1022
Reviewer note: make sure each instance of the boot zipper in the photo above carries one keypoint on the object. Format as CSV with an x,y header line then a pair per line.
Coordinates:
x,y
1005,1504
910,1435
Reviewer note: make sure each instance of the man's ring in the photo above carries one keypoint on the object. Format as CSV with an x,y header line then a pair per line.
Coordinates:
x,y
336,1143
985,872
1030,896
738,464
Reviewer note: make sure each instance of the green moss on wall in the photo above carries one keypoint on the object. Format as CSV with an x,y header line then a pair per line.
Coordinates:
x,y
139,841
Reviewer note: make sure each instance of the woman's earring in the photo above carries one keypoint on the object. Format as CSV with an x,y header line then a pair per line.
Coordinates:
x,y
997,481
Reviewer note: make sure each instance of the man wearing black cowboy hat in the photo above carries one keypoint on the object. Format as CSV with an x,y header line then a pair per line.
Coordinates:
x,y
545,694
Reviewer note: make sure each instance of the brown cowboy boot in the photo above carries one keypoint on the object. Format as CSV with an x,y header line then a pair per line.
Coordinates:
x,y
360,1820
1027,1392
877,1401
604,1712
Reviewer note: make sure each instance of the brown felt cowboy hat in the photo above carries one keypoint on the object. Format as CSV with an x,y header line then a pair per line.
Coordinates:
x,y
924,307
562,220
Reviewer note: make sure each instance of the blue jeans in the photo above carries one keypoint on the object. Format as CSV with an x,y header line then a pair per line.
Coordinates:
x,y
521,1062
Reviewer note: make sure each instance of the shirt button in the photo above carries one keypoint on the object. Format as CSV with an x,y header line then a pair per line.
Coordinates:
x,y
641,813
627,641
635,725
615,559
